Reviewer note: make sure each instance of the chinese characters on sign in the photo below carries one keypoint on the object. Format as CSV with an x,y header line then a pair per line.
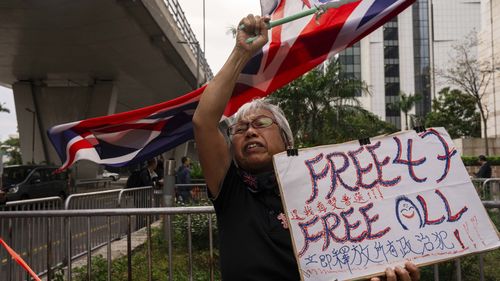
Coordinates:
x,y
355,210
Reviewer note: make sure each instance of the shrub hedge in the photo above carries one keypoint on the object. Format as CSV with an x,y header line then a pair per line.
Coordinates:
x,y
474,160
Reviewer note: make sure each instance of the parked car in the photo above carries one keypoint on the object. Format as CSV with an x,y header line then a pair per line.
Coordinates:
x,y
29,181
111,175
3,197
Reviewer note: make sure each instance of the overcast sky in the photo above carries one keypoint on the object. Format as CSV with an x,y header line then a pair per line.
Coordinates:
x,y
8,122
220,15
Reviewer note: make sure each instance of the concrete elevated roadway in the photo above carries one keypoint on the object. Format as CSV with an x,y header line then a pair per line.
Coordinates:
x,y
69,60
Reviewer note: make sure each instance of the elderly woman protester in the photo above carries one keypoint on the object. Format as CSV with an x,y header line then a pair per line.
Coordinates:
x,y
254,245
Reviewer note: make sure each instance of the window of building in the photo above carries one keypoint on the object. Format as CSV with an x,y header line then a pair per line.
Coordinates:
x,y
392,89
391,52
390,33
391,70
350,60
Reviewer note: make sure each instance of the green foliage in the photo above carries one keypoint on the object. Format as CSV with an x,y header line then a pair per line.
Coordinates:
x,y
470,160
357,123
474,160
58,274
12,148
322,107
405,104
159,257
470,268
99,270
457,112
196,171
199,231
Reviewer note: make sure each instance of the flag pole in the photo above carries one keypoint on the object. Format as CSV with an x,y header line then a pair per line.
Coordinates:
x,y
316,10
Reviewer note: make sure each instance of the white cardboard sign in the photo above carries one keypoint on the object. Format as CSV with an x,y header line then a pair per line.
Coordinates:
x,y
355,210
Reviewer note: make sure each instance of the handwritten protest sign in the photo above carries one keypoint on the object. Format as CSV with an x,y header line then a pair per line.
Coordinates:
x,y
355,210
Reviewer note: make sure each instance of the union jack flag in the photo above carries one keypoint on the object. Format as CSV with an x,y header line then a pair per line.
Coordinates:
x,y
293,49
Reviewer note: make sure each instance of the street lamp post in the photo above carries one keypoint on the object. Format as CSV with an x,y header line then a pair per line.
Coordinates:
x,y
493,67
204,50
204,47
1,166
32,135
198,54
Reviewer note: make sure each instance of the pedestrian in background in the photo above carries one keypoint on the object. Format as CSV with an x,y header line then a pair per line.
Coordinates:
x,y
485,169
183,176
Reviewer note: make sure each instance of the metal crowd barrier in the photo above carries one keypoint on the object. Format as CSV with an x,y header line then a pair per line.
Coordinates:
x,y
29,237
139,197
92,200
488,188
458,267
167,213
109,214
194,192
91,183
80,243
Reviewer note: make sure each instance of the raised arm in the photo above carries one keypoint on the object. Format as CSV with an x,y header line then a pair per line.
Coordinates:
x,y
213,151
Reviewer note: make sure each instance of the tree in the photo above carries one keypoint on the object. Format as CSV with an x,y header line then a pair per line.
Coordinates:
x,y
472,77
12,148
405,104
457,112
3,108
358,123
322,107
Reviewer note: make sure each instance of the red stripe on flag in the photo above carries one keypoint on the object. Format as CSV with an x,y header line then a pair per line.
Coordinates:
x,y
275,43
156,126
19,260
73,149
140,113
310,49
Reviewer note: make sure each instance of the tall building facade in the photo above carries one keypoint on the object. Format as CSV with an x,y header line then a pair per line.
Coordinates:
x,y
402,56
489,51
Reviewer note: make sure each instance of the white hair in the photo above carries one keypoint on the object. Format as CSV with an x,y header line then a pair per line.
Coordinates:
x,y
278,114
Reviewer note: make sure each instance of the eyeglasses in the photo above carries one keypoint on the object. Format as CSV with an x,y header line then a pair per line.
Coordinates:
x,y
258,122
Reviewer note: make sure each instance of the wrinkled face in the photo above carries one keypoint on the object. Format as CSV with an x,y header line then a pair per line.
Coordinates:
x,y
253,149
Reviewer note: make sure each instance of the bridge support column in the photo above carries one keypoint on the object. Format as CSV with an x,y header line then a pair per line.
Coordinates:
x,y
43,104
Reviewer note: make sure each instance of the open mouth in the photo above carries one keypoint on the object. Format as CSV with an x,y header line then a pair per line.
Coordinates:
x,y
252,146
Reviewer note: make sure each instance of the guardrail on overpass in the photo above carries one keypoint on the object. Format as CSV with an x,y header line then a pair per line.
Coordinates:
x,y
180,19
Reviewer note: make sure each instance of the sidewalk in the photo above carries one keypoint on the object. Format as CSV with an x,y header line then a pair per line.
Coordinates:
x,y
118,248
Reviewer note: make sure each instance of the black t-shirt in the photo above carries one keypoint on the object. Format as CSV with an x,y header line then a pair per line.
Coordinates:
x,y
146,179
254,245
484,171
